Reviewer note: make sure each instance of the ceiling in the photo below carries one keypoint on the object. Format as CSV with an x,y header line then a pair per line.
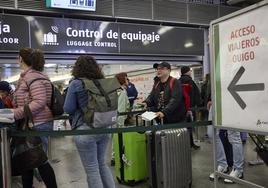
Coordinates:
x,y
242,3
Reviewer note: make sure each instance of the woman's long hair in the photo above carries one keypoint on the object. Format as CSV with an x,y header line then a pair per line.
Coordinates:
x,y
87,67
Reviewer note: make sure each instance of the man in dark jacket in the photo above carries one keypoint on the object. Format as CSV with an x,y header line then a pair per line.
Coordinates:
x,y
195,97
165,101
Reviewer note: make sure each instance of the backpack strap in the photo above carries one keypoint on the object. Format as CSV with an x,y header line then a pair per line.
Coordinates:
x,y
171,81
186,94
32,81
100,88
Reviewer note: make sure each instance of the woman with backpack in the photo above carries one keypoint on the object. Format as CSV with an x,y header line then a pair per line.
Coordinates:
x,y
37,95
92,148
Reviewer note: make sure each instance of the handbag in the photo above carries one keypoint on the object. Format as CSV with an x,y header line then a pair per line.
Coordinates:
x,y
26,152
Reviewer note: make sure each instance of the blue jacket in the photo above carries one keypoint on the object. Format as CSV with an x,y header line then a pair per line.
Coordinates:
x,y
76,99
132,93
2,104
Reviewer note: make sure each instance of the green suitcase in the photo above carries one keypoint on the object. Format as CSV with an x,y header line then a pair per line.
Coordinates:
x,y
130,157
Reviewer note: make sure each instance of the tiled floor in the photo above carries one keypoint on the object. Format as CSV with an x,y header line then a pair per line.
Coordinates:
x,y
70,173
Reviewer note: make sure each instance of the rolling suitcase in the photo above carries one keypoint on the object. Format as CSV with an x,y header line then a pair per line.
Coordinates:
x,y
130,157
169,159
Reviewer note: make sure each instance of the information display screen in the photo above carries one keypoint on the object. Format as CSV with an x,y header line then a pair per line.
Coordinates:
x,y
89,5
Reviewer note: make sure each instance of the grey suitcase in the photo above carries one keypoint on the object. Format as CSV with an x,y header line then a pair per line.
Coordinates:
x,y
169,159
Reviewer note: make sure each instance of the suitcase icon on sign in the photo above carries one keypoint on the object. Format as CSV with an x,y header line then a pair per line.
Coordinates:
x,y
50,38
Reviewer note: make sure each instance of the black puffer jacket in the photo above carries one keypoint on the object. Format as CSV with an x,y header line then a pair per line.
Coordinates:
x,y
195,97
174,107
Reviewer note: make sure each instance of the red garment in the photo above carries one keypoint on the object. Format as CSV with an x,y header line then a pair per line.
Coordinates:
x,y
186,94
185,91
7,102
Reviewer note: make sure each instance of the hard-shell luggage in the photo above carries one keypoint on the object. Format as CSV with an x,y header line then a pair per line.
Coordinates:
x,y
169,158
130,157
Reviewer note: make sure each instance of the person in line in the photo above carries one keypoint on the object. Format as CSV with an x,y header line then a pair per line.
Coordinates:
x,y
123,100
6,94
205,96
238,156
5,102
38,97
91,148
233,156
195,99
165,101
132,92
123,104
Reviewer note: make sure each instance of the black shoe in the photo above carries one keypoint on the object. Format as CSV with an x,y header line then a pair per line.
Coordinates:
x,y
112,162
196,147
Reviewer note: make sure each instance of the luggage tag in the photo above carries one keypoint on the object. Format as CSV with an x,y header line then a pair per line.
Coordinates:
x,y
126,161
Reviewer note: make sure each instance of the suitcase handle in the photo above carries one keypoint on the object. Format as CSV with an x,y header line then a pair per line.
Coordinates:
x,y
126,161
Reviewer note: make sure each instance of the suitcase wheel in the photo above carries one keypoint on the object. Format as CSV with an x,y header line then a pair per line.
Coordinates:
x,y
118,179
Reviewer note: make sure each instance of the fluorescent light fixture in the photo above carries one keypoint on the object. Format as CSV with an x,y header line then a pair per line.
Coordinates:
x,y
102,27
188,44
164,29
49,65
145,43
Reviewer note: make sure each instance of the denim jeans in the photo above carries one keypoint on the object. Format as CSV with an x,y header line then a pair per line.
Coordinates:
x,y
238,155
48,126
92,150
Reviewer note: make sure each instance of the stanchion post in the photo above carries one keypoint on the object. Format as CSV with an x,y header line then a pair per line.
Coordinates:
x,y
5,156
49,149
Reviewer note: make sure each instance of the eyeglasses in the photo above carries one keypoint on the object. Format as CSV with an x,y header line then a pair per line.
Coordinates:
x,y
161,68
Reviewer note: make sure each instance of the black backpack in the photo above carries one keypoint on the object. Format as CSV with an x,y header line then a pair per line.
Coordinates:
x,y
57,100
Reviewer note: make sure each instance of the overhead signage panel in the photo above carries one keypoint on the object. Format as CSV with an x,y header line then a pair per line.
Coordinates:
x,y
59,35
72,4
74,36
161,40
14,33
241,71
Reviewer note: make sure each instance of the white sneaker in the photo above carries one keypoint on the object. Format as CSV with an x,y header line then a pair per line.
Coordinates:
x,y
220,169
236,174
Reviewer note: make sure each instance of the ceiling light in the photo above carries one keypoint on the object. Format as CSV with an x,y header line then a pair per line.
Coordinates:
x,y
49,65
188,44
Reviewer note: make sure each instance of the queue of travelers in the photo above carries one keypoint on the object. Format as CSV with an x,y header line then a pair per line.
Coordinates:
x,y
165,99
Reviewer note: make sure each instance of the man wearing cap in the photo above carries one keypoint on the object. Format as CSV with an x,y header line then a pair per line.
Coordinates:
x,y
195,97
165,101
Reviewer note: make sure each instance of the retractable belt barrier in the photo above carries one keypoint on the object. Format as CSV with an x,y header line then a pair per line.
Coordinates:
x,y
110,130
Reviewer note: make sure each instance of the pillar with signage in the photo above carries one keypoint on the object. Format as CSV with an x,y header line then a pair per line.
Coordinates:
x,y
240,49
239,52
